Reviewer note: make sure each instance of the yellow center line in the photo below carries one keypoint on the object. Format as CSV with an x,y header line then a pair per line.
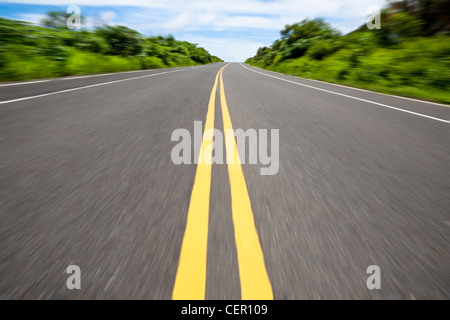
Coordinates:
x,y
190,281
255,282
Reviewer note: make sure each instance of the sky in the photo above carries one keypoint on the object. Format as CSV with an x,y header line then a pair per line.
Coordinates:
x,y
230,29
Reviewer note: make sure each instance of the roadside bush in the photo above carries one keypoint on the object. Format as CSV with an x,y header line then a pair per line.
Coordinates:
x,y
28,51
415,67
320,50
152,63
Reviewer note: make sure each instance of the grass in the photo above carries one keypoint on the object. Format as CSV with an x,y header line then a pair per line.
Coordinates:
x,y
28,51
418,68
24,64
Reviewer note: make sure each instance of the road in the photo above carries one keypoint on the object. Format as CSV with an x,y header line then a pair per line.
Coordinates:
x,y
87,179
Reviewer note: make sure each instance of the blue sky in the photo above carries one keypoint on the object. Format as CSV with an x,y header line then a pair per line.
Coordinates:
x,y
230,29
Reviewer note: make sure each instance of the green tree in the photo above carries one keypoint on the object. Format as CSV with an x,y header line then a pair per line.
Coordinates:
x,y
404,25
308,29
122,41
297,38
57,19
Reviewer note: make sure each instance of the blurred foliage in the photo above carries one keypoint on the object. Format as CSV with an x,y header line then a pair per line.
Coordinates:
x,y
433,14
28,51
57,19
121,40
408,56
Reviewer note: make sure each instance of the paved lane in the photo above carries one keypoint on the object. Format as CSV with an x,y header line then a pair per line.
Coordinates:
x,y
359,184
86,178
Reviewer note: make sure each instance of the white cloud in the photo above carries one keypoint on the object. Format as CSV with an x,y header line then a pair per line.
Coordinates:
x,y
106,16
228,49
292,8
32,17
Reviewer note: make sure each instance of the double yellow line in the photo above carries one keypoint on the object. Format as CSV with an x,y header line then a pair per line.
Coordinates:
x,y
190,281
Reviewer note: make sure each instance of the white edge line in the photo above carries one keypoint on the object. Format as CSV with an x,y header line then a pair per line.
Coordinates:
x,y
91,86
100,75
92,76
359,89
117,73
351,97
71,78
21,83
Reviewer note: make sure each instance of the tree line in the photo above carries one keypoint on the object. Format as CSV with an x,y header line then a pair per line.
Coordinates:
x,y
408,55
51,49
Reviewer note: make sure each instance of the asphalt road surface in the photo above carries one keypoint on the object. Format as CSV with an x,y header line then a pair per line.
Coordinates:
x,y
87,179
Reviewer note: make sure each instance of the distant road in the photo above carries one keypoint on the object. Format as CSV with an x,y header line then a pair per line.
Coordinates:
x,y
86,178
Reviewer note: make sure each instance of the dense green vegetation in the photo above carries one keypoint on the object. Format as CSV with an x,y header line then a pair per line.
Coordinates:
x,y
409,55
28,51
